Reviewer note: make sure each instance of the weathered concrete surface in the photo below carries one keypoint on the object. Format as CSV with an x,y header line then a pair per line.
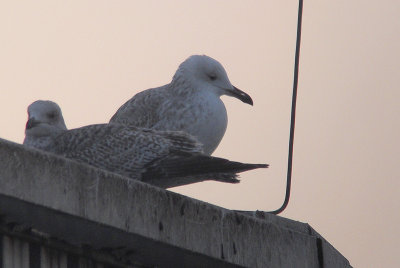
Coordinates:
x,y
87,206
328,256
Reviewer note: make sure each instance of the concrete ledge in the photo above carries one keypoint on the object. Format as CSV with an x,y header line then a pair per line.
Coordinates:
x,y
328,256
88,206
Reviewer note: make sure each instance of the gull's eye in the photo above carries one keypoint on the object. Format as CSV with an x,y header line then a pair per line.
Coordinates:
x,y
212,77
51,115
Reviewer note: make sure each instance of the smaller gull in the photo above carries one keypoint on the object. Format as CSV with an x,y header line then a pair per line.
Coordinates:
x,y
50,113
190,103
162,158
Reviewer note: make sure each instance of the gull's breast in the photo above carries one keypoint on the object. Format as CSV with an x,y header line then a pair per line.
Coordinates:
x,y
202,115
210,122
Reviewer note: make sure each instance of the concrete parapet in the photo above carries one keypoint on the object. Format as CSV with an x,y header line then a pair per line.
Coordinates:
x,y
86,206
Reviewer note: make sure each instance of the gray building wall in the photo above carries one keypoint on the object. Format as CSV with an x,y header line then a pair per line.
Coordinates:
x,y
20,253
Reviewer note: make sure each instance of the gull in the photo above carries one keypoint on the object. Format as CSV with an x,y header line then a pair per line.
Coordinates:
x,y
53,123
161,158
190,103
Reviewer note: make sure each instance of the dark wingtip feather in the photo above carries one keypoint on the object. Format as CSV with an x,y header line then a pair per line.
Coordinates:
x,y
259,165
226,177
198,165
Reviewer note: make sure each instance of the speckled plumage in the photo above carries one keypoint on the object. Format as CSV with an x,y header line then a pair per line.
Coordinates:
x,y
190,103
162,158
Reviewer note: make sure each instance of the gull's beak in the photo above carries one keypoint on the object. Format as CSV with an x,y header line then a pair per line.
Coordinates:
x,y
241,95
32,122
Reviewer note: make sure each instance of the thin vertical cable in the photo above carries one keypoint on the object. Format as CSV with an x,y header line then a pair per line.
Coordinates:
x,y
293,114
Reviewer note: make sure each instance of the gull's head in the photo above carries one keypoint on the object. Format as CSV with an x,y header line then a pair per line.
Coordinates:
x,y
44,119
204,72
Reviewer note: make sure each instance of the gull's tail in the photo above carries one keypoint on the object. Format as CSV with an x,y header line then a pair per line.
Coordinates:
x,y
185,168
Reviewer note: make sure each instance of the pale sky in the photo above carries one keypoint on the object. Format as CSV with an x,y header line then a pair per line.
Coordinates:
x,y
92,56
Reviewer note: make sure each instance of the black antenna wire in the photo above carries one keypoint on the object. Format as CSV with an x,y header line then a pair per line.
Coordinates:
x,y
293,114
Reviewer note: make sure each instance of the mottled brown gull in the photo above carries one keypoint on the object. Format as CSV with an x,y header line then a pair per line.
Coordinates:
x,y
162,158
190,103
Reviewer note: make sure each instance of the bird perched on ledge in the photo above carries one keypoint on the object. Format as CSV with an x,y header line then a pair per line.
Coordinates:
x,y
162,158
190,103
